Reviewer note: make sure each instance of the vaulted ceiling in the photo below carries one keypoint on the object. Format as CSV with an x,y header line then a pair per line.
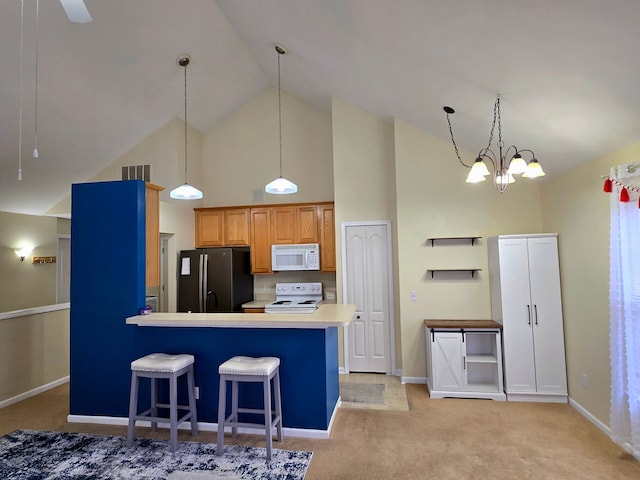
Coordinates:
x,y
567,71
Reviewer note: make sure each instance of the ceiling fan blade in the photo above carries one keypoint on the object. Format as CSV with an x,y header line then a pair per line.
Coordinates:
x,y
76,10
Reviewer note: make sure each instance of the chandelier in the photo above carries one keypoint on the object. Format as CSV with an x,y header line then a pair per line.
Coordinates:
x,y
506,163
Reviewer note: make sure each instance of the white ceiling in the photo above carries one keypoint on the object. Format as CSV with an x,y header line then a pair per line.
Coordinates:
x,y
566,69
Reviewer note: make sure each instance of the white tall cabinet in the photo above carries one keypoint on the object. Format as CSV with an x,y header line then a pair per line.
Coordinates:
x,y
526,300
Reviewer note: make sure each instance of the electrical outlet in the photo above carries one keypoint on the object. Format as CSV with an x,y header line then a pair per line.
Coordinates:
x,y
197,389
414,296
585,381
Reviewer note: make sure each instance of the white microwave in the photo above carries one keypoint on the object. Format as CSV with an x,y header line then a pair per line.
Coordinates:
x,y
304,256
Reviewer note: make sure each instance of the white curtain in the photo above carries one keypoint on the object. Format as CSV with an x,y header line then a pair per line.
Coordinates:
x,y
624,297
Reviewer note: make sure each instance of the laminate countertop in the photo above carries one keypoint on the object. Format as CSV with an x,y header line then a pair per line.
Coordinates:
x,y
462,324
327,315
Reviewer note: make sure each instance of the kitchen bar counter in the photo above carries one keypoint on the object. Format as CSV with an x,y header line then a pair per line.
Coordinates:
x,y
327,315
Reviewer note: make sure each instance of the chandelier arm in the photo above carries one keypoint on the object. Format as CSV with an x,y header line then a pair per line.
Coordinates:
x,y
533,155
488,154
455,146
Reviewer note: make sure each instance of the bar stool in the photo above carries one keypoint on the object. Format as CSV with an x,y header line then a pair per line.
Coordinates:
x,y
163,366
249,369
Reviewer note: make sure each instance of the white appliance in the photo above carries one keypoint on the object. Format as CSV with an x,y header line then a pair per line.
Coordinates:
x,y
296,298
303,256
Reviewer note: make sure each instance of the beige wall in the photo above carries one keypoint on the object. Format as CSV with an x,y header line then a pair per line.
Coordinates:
x,y
24,284
363,181
34,351
241,153
434,201
575,206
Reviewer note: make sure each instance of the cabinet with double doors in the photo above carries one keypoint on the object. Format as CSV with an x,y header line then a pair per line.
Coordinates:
x,y
464,359
526,299
222,227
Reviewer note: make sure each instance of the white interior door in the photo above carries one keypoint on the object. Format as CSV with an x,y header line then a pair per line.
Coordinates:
x,y
367,285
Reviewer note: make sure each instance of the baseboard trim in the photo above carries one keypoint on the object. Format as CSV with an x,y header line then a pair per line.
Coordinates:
x,y
421,380
34,392
601,425
205,426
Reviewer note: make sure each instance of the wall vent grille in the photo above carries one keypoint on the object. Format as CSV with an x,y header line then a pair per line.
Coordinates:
x,y
136,172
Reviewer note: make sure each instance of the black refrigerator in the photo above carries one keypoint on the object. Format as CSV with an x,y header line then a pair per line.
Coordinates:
x,y
214,280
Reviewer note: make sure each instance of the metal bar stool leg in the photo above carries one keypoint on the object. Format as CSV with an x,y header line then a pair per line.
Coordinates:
x,y
222,396
266,386
278,403
192,402
173,412
133,408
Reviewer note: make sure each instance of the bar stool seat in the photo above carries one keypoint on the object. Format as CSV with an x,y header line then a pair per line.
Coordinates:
x,y
163,366
250,369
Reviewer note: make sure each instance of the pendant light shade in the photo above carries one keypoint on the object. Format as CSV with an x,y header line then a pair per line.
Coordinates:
x,y
185,191
280,186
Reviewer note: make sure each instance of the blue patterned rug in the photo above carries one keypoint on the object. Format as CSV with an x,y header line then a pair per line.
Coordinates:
x,y
36,455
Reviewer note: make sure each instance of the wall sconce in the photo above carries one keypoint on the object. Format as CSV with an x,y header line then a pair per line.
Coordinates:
x,y
23,252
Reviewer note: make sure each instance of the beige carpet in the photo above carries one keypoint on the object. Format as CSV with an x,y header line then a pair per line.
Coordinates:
x,y
436,439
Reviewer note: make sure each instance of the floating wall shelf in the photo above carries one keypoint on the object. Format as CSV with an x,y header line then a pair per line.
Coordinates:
x,y
471,270
434,239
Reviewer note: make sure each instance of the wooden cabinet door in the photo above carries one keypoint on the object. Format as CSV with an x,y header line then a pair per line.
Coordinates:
x,y
283,225
236,227
152,227
327,239
306,224
260,240
209,228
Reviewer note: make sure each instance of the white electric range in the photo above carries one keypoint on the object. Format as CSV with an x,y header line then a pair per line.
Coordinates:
x,y
296,298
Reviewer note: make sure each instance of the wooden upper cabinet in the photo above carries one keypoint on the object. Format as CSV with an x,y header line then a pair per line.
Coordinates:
x,y
261,240
294,224
327,238
236,227
152,228
222,227
306,224
209,228
266,225
283,225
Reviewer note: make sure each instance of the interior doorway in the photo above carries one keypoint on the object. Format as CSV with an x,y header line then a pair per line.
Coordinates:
x,y
63,269
367,283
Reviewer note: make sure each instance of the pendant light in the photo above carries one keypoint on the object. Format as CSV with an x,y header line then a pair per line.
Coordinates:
x,y
280,186
185,191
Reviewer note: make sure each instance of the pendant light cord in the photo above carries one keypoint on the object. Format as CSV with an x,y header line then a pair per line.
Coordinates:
x,y
20,89
185,121
279,115
35,148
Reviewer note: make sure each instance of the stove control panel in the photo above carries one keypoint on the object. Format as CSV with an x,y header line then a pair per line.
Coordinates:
x,y
310,288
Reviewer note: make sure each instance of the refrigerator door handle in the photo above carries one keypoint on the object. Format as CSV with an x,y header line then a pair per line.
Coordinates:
x,y
204,287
